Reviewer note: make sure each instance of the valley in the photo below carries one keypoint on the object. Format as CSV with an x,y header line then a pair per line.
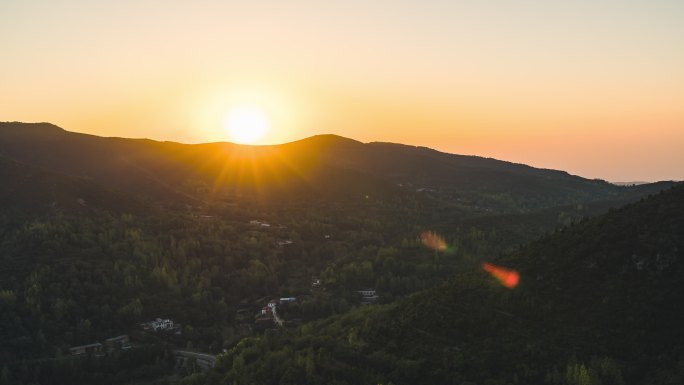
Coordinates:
x,y
98,235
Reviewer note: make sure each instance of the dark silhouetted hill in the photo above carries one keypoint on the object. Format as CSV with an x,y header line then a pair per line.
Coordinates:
x,y
309,168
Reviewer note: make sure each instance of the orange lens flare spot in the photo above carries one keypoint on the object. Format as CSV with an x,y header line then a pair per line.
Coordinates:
x,y
507,277
433,241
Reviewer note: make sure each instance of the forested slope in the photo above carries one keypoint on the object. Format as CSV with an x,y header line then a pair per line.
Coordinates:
x,y
100,234
319,166
598,303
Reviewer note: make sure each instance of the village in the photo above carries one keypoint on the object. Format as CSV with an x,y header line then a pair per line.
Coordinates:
x,y
123,342
269,316
251,315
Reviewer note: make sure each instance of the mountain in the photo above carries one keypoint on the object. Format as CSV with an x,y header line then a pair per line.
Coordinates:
x,y
308,169
598,303
167,172
474,181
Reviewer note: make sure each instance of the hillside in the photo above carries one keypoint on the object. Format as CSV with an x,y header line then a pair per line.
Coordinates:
x,y
28,192
100,234
598,303
306,169
172,172
484,183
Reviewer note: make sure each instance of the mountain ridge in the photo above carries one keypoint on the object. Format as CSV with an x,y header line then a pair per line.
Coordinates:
x,y
148,167
327,139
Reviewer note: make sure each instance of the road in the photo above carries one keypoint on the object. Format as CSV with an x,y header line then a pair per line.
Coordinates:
x,y
277,319
204,361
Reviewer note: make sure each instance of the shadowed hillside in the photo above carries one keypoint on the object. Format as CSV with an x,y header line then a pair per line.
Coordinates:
x,y
308,169
597,303
470,180
100,234
28,191
192,174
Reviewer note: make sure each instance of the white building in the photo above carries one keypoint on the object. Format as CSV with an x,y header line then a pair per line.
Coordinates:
x,y
158,324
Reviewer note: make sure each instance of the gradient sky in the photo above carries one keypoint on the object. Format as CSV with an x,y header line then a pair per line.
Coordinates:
x,y
595,88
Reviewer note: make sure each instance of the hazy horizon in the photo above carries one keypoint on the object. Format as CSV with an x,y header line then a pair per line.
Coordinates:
x,y
592,88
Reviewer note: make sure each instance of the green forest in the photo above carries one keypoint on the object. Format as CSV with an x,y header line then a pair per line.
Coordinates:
x,y
94,250
599,303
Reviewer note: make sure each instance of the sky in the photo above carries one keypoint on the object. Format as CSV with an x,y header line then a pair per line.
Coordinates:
x,y
595,88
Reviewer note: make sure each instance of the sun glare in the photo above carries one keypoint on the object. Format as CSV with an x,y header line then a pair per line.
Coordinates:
x,y
247,124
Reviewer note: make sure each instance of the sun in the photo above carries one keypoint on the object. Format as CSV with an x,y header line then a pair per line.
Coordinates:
x,y
247,124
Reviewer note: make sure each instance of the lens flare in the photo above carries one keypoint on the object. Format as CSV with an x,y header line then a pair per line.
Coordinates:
x,y
507,277
433,241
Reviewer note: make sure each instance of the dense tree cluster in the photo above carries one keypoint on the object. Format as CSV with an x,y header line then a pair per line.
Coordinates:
x,y
598,303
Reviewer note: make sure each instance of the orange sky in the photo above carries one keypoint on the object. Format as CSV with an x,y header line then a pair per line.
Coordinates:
x,y
592,87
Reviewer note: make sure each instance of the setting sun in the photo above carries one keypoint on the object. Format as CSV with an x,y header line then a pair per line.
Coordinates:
x,y
247,124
